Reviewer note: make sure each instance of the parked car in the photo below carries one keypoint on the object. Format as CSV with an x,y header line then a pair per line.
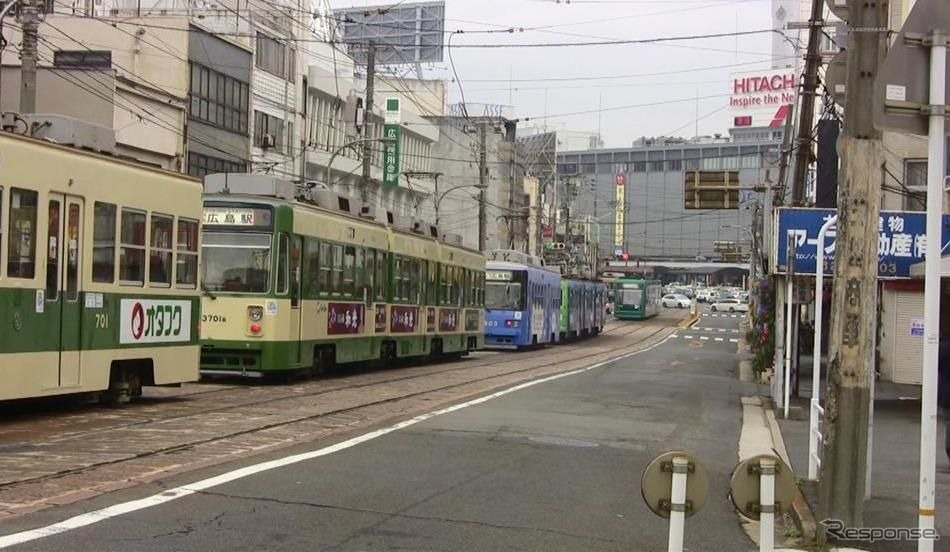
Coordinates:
x,y
676,300
703,295
730,305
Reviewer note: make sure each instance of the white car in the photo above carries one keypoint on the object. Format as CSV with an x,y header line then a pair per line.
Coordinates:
x,y
703,295
675,300
730,305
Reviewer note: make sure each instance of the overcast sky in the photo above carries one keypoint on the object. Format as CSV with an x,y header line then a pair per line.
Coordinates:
x,y
691,68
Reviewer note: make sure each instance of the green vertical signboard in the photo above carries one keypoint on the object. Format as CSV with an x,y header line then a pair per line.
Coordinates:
x,y
392,131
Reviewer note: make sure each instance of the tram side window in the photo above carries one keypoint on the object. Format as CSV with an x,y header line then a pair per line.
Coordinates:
x,y
336,269
52,251
160,255
132,250
103,243
283,268
312,274
372,284
326,268
382,269
21,256
349,267
362,281
432,290
186,269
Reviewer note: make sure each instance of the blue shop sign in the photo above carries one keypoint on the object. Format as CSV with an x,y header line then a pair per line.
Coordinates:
x,y
902,240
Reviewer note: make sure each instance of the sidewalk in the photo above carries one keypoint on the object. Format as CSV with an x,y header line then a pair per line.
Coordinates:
x,y
895,459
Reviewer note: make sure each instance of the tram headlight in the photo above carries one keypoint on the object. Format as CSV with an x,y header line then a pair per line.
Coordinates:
x,y
512,323
255,313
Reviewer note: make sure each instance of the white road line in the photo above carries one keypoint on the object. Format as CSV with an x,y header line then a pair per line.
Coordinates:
x,y
724,329
718,339
733,340
687,337
116,510
704,338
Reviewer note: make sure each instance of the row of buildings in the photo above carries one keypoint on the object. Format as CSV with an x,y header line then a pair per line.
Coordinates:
x,y
258,86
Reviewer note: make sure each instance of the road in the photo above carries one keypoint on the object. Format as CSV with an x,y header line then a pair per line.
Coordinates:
x,y
553,466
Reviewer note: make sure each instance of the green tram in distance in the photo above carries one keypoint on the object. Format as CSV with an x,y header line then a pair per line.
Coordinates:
x,y
636,298
298,285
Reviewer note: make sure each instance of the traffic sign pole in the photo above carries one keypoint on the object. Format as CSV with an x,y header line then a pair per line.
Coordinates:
x,y
935,172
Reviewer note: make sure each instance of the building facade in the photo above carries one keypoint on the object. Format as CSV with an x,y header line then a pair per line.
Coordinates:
x,y
637,196
455,157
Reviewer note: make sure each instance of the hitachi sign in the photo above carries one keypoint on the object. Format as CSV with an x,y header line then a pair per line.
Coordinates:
x,y
768,83
762,90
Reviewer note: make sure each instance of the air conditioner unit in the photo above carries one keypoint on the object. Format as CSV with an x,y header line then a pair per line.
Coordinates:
x,y
454,239
419,226
368,212
268,141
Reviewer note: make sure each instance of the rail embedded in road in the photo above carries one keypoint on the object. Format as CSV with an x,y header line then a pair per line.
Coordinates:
x,y
187,429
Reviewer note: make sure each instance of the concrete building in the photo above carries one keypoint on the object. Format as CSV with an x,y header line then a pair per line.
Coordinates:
x,y
646,185
456,158
335,141
132,77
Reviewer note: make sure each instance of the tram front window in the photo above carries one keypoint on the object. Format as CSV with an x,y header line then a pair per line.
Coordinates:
x,y
631,296
236,262
503,296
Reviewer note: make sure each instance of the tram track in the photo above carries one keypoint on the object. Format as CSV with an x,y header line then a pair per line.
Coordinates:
x,y
544,364
200,400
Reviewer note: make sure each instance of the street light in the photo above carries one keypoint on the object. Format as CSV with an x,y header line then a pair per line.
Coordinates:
x,y
754,255
437,198
340,149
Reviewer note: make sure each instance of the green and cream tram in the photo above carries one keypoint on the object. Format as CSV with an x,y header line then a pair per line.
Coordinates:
x,y
99,273
300,286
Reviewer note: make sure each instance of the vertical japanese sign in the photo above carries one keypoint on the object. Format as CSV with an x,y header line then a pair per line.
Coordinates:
x,y
619,217
392,131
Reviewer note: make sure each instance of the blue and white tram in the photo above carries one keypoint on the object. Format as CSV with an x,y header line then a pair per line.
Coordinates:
x,y
522,304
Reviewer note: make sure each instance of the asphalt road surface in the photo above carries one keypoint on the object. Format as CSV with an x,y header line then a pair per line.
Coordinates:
x,y
554,466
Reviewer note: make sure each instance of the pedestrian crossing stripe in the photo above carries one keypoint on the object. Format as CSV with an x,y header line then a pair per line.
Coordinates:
x,y
707,338
717,315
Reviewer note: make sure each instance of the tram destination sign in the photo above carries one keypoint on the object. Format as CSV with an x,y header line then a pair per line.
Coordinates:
x,y
228,216
238,216
902,241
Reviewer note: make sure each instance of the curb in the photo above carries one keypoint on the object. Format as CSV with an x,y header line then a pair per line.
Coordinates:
x,y
693,318
801,512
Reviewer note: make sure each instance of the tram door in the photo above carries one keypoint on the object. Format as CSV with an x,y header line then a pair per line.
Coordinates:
x,y
63,281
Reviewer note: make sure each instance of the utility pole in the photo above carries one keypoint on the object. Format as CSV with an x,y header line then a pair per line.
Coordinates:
x,y
30,21
854,294
783,162
368,123
807,115
482,182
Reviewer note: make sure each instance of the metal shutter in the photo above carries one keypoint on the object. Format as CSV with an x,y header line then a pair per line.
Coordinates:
x,y
908,350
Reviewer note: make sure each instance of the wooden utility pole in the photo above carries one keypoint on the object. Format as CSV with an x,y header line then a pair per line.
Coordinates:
x,y
30,20
366,181
854,295
807,114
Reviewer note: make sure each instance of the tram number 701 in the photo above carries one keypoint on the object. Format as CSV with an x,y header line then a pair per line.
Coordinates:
x,y
102,321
